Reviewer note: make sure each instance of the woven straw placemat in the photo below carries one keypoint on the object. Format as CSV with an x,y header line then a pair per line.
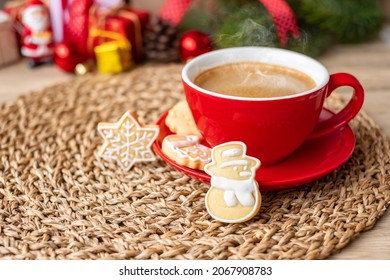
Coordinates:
x,y
59,200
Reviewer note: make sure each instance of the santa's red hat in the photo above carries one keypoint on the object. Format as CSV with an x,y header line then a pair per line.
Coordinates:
x,y
32,3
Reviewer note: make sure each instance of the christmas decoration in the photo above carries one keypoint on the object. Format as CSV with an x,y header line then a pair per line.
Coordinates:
x,y
233,23
9,50
277,12
70,18
127,22
283,18
105,5
66,57
76,25
163,36
194,43
162,41
78,46
37,37
84,68
186,28
57,19
127,141
113,56
349,21
174,10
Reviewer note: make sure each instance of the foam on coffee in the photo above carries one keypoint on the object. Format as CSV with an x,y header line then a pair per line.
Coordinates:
x,y
254,79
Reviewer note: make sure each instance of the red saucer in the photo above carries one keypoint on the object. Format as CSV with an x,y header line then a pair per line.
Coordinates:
x,y
313,160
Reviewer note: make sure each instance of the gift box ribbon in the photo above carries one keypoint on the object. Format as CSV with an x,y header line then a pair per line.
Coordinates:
x,y
98,20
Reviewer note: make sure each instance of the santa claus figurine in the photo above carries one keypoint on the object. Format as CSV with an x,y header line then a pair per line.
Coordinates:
x,y
37,42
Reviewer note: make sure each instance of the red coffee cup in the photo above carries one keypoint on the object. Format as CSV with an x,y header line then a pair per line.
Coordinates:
x,y
272,128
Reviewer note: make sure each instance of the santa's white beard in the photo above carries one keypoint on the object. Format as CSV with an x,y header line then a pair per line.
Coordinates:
x,y
37,24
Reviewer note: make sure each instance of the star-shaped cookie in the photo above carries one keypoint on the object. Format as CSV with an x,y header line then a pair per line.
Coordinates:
x,y
127,141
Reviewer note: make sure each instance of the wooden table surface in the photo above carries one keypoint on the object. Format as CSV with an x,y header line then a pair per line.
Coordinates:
x,y
369,62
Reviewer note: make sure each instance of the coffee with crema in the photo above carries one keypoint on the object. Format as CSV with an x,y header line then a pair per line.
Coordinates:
x,y
254,80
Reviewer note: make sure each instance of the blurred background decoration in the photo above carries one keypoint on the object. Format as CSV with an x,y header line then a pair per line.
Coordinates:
x,y
174,30
321,23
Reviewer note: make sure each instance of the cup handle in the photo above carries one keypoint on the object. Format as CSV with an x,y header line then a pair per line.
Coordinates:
x,y
350,110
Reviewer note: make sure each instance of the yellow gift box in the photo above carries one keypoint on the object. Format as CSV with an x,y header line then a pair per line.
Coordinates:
x,y
113,56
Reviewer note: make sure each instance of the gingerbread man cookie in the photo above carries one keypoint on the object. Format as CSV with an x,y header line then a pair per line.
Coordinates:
x,y
127,141
180,120
234,195
186,150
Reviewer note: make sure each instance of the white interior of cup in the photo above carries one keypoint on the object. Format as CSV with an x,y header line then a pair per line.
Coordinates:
x,y
275,56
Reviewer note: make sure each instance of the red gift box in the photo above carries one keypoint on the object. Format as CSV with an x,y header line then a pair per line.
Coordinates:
x,y
131,24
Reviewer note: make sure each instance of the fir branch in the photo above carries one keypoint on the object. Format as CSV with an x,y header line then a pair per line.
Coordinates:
x,y
348,20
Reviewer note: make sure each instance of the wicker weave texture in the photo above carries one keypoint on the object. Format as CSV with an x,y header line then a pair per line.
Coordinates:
x,y
59,200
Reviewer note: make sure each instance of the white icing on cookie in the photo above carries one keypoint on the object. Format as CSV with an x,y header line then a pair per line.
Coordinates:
x,y
188,141
245,173
230,198
242,190
234,162
189,148
235,152
195,152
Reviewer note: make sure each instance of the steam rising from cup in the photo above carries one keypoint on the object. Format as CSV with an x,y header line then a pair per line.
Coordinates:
x,y
252,33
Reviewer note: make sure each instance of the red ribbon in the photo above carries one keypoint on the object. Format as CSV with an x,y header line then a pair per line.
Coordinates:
x,y
76,31
174,10
283,17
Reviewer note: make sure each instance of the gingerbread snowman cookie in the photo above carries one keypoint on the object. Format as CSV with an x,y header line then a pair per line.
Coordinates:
x,y
234,195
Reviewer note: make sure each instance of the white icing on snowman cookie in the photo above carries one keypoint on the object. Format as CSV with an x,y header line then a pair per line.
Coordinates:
x,y
241,190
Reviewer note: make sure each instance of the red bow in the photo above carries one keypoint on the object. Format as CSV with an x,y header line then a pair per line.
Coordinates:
x,y
283,18
174,10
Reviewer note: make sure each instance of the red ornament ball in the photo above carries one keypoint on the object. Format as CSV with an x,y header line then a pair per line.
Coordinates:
x,y
194,43
62,51
66,57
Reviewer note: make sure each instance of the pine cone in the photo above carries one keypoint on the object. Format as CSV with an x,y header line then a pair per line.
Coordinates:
x,y
162,41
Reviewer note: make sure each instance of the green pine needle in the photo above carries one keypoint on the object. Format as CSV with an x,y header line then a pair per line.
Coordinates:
x,y
348,20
